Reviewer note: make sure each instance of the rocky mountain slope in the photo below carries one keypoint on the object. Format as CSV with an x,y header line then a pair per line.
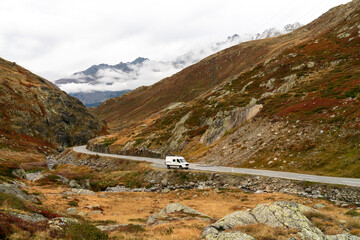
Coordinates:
x,y
287,103
103,81
37,116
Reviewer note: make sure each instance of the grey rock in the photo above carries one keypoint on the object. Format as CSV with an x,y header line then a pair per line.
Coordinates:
x,y
67,193
164,182
83,192
74,184
35,176
177,207
51,161
118,188
60,222
107,228
71,211
82,214
277,214
172,208
319,206
289,215
20,173
153,219
238,218
13,190
34,218
63,179
311,64
165,190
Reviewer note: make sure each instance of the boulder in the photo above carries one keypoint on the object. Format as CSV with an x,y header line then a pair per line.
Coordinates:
x,y
109,227
13,190
234,219
284,214
177,207
277,214
74,184
34,176
34,218
83,192
176,211
71,211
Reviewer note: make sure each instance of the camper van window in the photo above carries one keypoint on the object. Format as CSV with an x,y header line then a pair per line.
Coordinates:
x,y
178,161
173,160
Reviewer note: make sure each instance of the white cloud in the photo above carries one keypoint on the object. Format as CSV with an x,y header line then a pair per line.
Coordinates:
x,y
115,80
57,38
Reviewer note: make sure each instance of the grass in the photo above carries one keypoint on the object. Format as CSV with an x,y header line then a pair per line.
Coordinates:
x,y
83,232
73,203
327,224
108,141
10,201
141,220
131,228
352,213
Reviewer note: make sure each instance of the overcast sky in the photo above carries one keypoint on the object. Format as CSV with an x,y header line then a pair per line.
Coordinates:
x,y
57,38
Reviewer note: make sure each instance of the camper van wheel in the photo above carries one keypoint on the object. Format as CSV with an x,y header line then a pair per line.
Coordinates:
x,y
180,167
168,166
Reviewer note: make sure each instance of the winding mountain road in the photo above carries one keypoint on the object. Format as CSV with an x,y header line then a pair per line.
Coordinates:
x,y
157,162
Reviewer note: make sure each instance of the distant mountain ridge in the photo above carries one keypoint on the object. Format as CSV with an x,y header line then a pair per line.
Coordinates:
x,y
104,81
90,75
93,99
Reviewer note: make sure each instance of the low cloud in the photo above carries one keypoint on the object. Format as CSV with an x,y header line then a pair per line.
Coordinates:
x,y
144,74
148,72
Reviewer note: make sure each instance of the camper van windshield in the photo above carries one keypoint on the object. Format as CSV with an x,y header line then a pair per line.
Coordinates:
x,y
181,160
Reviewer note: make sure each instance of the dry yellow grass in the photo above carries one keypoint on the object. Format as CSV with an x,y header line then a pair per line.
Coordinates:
x,y
135,208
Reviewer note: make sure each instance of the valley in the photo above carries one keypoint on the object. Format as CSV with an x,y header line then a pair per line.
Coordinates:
x,y
270,128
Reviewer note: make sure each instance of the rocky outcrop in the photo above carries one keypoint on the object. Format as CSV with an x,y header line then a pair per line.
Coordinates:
x,y
176,211
278,214
34,110
14,190
224,122
234,219
34,217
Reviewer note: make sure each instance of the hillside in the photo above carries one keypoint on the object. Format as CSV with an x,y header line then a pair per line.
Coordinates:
x,y
37,117
103,81
288,103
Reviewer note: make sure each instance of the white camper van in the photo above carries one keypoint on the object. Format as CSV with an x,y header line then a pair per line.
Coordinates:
x,y
176,161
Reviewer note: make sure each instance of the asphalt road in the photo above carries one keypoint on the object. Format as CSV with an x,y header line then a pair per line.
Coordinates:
x,y
157,162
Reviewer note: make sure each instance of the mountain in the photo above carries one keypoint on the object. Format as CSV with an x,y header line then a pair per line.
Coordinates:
x,y
103,81
273,32
93,75
93,99
285,103
36,115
